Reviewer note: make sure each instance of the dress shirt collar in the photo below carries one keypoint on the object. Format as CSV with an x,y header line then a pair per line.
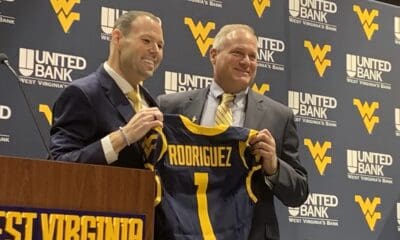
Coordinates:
x,y
216,91
121,82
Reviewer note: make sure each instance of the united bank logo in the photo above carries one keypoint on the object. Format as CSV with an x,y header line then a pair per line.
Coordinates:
x,y
269,53
312,108
201,33
398,217
319,154
369,210
260,6
367,71
65,15
182,82
5,114
367,18
5,18
397,30
397,121
108,18
312,13
317,210
367,113
48,69
318,55
210,3
368,166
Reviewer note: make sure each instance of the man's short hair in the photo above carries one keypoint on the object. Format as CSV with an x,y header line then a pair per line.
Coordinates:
x,y
125,20
225,30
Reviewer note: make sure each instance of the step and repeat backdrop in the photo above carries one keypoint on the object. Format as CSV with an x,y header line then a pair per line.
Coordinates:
x,y
335,63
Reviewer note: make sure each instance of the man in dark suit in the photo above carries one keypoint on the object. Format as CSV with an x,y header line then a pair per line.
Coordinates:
x,y
98,119
234,60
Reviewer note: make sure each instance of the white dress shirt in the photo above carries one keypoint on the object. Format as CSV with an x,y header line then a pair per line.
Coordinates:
x,y
213,100
109,152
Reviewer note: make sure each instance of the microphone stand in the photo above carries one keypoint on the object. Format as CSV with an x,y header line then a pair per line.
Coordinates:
x,y
4,60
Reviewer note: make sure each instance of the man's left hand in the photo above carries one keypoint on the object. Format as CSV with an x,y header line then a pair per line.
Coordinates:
x,y
263,144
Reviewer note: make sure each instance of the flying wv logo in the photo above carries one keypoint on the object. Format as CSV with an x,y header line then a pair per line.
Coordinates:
x,y
318,153
318,55
261,90
200,34
48,114
260,5
367,113
367,20
149,143
63,9
369,210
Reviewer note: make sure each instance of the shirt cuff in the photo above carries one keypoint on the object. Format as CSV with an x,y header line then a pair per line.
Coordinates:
x,y
269,180
109,153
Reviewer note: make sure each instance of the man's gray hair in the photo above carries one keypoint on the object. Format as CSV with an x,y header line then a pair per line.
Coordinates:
x,y
225,30
125,20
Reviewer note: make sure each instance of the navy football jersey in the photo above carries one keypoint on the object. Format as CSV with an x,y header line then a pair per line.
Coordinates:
x,y
203,177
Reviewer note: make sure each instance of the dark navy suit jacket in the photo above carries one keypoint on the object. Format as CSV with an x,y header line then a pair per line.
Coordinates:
x,y
291,186
87,110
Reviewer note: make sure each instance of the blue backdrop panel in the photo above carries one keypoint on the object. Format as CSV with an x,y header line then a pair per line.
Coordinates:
x,y
334,63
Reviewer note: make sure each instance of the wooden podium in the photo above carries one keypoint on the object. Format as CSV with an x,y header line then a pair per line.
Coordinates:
x,y
82,187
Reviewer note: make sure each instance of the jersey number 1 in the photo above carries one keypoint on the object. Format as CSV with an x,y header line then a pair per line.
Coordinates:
x,y
201,181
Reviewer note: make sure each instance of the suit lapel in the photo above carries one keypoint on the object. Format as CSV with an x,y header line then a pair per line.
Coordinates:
x,y
114,93
254,110
194,109
149,99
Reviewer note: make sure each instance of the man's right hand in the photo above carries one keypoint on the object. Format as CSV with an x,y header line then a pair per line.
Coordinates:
x,y
140,124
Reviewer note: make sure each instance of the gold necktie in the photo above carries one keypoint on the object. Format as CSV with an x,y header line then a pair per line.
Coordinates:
x,y
223,115
134,96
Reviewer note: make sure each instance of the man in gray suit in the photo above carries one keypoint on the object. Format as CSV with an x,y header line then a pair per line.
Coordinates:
x,y
234,60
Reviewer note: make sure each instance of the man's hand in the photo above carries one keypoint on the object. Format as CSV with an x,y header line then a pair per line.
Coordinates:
x,y
142,122
136,128
263,144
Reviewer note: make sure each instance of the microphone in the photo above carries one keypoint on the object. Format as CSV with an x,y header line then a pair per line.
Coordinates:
x,y
3,57
4,60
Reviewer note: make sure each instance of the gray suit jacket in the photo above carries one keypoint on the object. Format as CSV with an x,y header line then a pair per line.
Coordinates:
x,y
290,185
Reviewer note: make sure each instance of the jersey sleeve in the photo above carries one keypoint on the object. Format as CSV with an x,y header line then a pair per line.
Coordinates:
x,y
154,146
251,162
